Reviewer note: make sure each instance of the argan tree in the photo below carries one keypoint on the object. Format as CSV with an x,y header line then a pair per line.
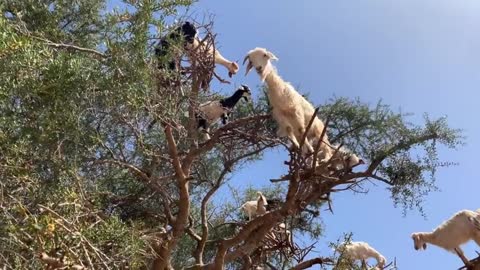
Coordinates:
x,y
102,167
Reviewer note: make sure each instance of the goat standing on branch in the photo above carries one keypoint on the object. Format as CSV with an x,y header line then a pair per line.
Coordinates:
x,y
291,111
255,208
187,33
210,112
459,229
362,251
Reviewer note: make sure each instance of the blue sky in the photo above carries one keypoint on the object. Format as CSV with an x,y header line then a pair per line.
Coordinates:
x,y
418,56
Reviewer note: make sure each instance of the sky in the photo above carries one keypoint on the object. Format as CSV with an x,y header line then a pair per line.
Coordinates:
x,y
418,56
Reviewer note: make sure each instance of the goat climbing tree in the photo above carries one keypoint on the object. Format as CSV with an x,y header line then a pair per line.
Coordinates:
x,y
101,165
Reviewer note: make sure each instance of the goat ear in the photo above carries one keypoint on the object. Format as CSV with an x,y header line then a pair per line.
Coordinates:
x,y
271,56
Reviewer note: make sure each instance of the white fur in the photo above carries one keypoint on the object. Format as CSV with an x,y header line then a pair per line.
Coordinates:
x,y
219,59
459,229
344,159
291,111
255,208
211,111
362,251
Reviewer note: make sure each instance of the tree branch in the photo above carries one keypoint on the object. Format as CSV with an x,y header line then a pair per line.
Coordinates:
x,y
98,54
312,262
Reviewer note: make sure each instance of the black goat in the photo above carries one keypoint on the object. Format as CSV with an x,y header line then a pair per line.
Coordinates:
x,y
210,112
189,35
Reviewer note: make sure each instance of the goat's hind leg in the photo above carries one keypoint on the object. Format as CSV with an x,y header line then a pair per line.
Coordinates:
x,y
307,147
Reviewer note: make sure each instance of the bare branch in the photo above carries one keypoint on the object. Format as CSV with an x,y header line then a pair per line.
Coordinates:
x,y
312,262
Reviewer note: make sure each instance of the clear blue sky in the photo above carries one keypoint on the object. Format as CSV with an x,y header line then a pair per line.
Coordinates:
x,y
420,56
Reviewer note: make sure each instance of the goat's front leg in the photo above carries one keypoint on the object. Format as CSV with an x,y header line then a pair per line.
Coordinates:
x,y
203,128
307,147
292,137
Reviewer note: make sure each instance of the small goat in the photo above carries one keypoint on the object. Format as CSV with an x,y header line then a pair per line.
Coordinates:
x,y
189,35
362,251
210,112
291,111
255,208
344,159
459,229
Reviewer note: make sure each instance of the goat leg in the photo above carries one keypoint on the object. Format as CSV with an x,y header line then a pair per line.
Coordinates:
x,y
292,137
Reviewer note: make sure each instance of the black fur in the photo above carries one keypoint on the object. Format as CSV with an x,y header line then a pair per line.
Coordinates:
x,y
225,117
202,122
231,101
187,30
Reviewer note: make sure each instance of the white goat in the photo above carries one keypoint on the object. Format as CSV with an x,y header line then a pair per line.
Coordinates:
x,y
459,229
255,208
344,159
291,111
362,251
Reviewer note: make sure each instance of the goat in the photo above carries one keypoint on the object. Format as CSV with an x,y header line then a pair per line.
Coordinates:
x,y
459,229
255,208
344,159
361,251
291,111
210,112
189,35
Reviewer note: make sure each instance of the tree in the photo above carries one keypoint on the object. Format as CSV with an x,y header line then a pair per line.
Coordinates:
x,y
101,168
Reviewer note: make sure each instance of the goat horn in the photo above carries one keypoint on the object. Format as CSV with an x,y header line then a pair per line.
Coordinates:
x,y
245,60
249,66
